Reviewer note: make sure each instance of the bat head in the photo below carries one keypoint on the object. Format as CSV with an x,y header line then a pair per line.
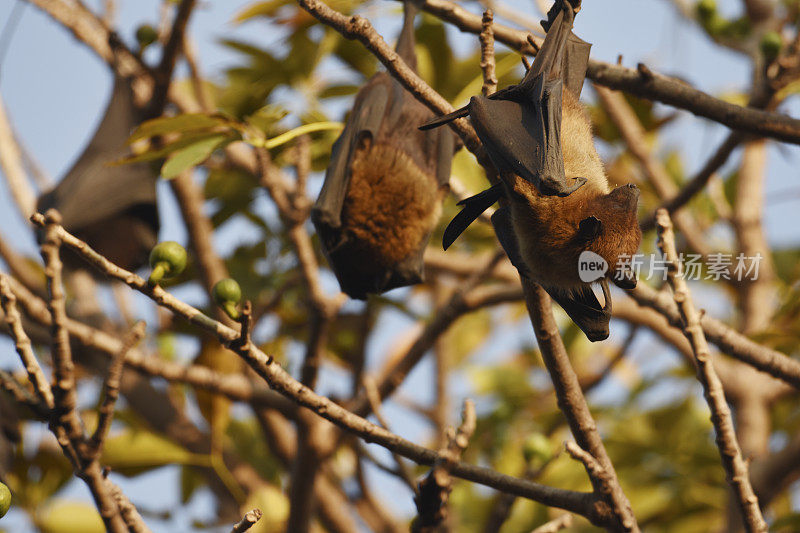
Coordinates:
x,y
616,231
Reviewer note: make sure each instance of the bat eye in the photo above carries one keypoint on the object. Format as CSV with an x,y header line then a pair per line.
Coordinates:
x,y
589,228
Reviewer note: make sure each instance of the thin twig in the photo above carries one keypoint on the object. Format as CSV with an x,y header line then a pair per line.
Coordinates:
x,y
129,512
211,267
198,85
572,402
13,169
23,396
236,387
557,524
462,301
576,502
589,383
633,133
111,390
60,417
23,344
735,465
699,181
727,339
371,391
249,520
169,56
64,393
434,490
602,479
670,91
487,54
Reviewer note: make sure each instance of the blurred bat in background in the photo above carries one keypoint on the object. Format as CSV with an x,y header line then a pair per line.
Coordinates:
x,y
111,207
383,189
562,215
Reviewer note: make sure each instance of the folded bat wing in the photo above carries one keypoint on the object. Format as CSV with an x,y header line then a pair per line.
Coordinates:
x,y
112,207
520,126
94,189
363,124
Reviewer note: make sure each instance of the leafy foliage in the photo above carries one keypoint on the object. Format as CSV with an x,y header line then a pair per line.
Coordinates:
x,y
663,450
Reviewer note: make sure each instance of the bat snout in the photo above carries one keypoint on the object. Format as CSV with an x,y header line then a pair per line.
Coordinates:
x,y
627,195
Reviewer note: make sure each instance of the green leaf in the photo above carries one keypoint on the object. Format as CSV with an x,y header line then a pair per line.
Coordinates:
x,y
191,480
178,124
273,503
69,517
133,452
265,118
259,9
192,155
185,140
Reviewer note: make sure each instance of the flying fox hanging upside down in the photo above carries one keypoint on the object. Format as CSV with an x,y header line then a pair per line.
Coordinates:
x,y
101,202
383,189
559,202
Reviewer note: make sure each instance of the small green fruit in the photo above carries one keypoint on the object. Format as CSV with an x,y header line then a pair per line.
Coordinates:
x,y
5,500
771,44
146,35
537,449
227,294
167,259
706,8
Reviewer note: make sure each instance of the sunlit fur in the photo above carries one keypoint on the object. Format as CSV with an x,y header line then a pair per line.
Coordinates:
x,y
547,226
391,206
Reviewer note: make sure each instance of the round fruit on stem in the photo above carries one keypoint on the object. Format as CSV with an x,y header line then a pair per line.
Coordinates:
x,y
771,44
146,35
227,295
167,260
5,499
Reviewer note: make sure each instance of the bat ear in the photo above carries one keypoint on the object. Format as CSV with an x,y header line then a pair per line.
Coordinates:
x,y
589,228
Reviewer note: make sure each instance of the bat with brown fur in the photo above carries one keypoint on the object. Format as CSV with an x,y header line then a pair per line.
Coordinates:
x,y
383,189
560,204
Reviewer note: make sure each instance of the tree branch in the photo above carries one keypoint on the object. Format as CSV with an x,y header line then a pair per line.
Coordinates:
x,y
648,85
573,404
735,466
279,380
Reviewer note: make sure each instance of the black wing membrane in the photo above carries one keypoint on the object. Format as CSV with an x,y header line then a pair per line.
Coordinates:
x,y
96,198
520,126
474,206
501,220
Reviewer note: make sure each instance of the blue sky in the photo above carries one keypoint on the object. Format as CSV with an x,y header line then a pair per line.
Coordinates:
x,y
55,90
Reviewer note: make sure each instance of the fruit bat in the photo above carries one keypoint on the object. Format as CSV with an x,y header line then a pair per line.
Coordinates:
x,y
559,203
520,126
111,207
383,188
